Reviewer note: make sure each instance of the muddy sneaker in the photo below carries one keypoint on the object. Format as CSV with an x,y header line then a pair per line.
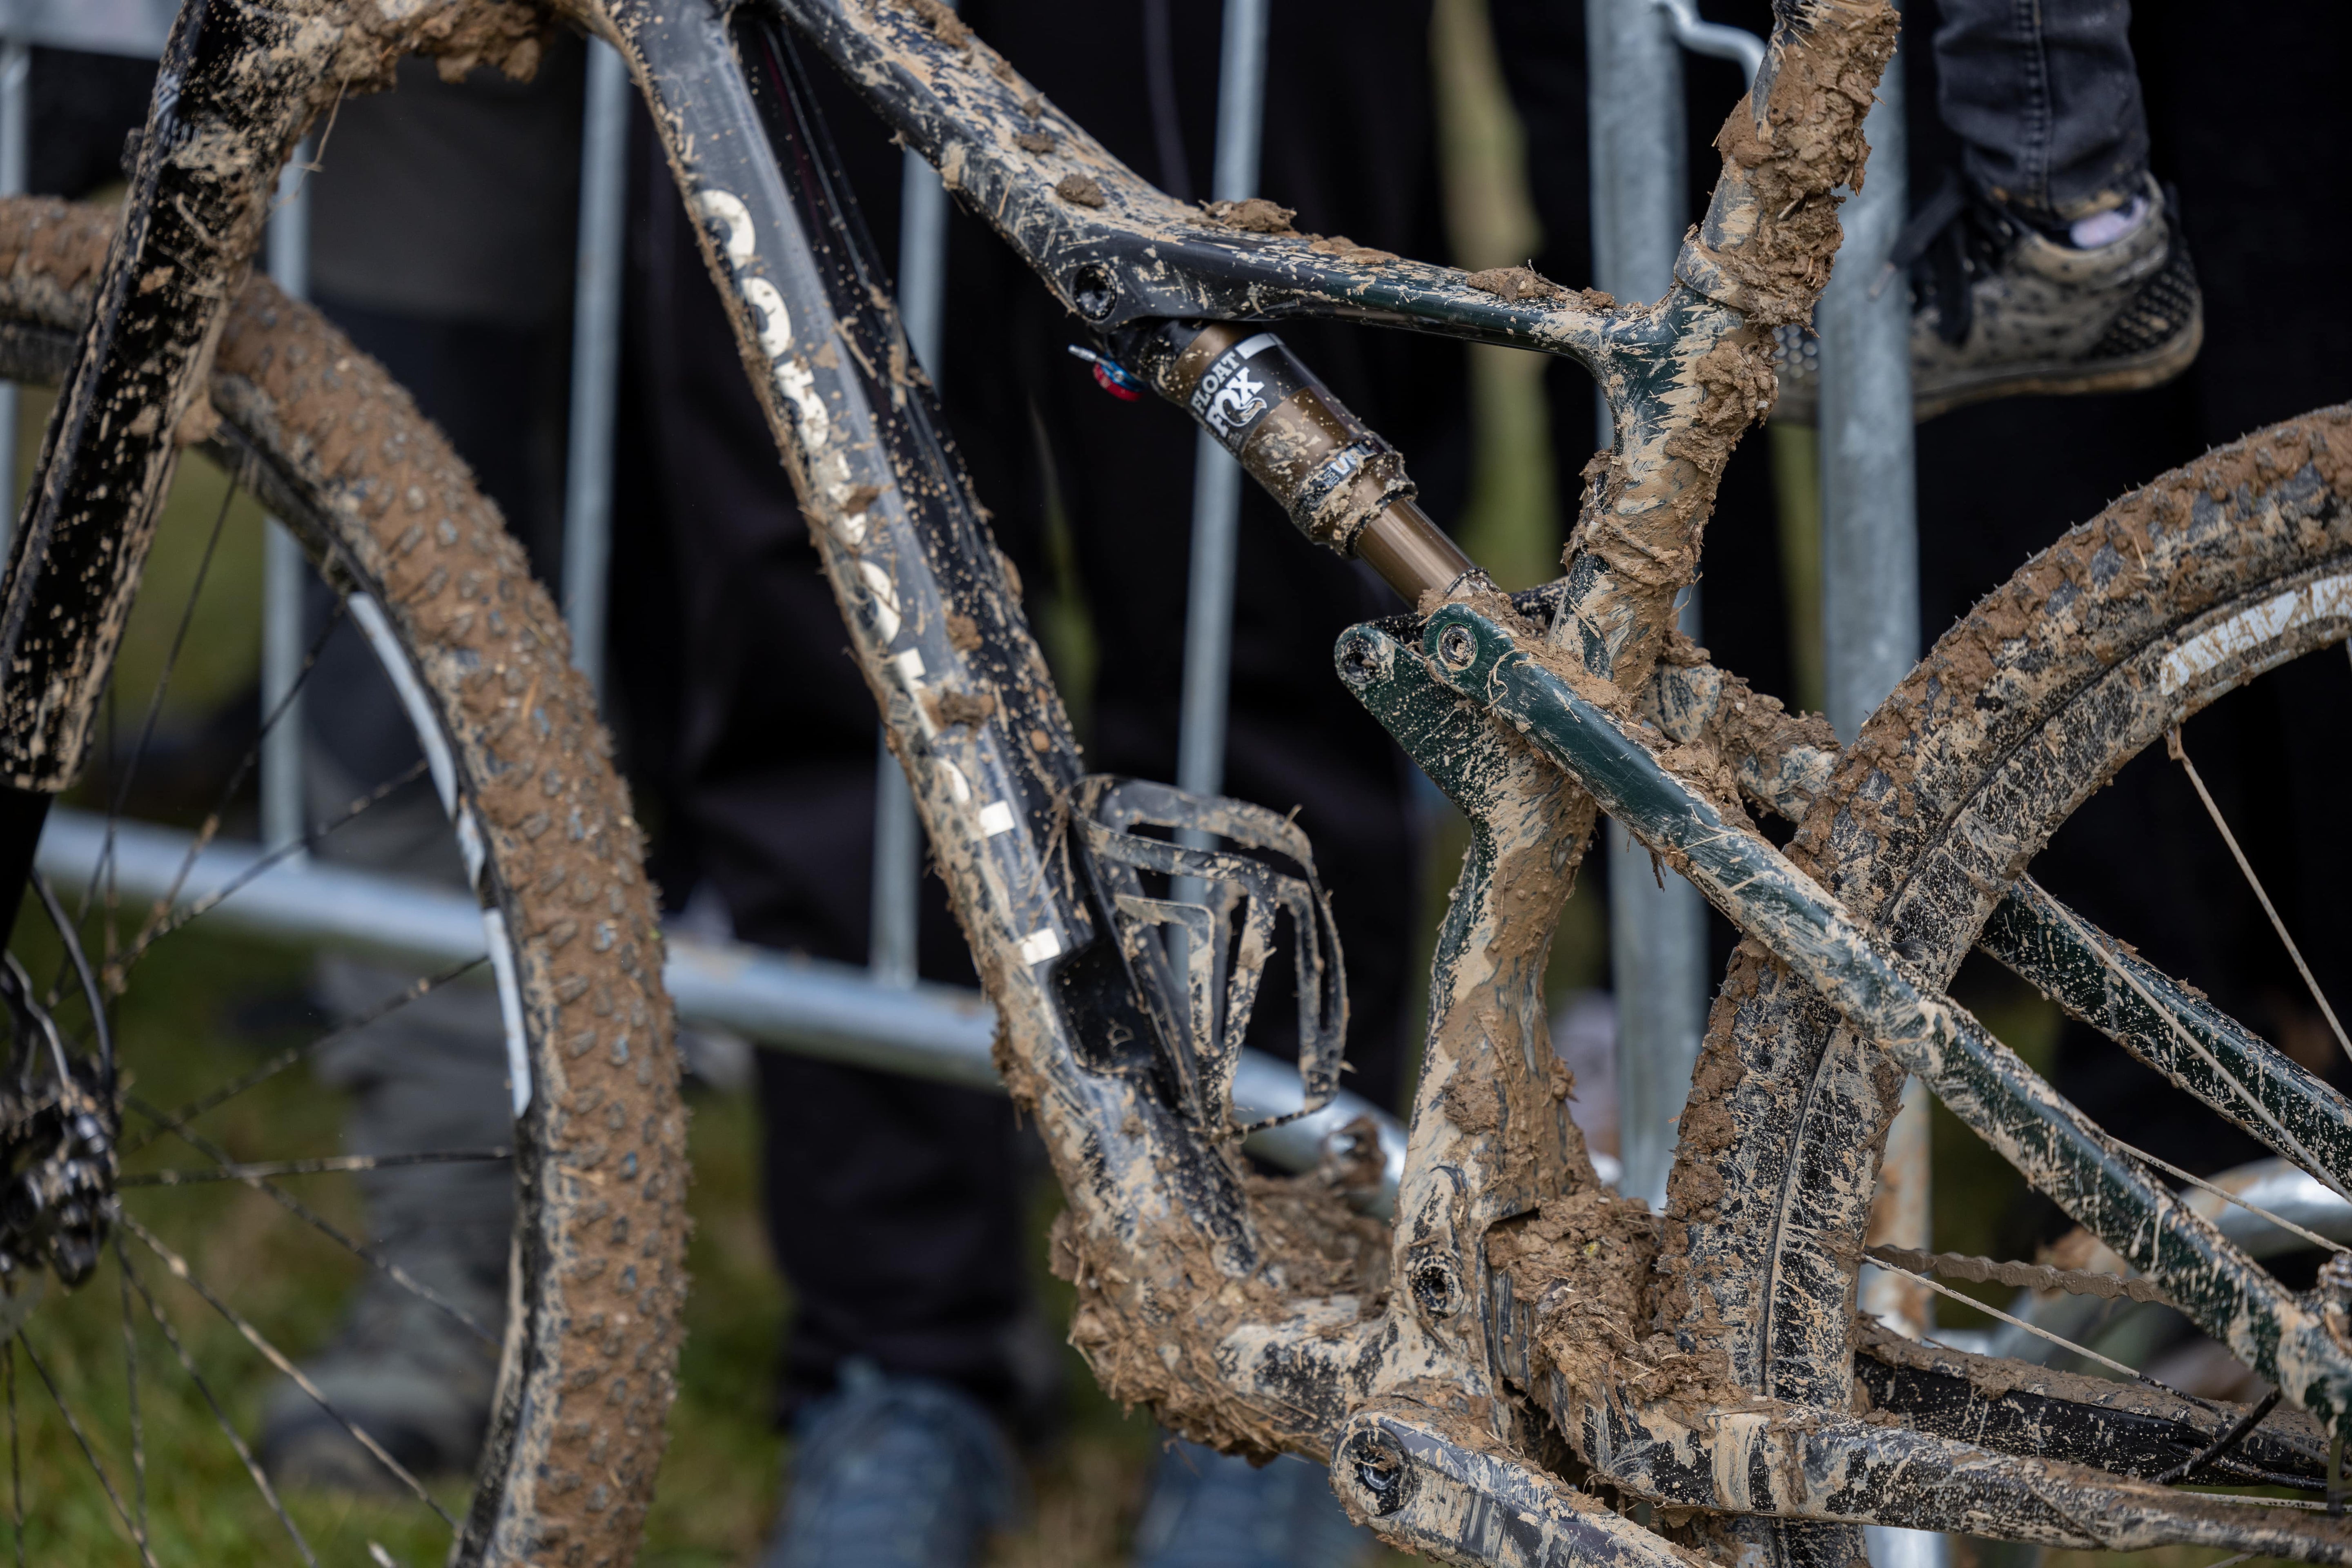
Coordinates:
x,y
894,1472
1208,1510
2002,310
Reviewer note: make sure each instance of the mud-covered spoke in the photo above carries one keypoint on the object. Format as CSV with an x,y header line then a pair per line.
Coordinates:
x,y
130,1393
2180,753
253,1336
323,1225
172,1121
73,1424
228,1428
324,1165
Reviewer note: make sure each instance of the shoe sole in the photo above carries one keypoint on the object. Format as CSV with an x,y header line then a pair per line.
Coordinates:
x,y
2054,378
2060,379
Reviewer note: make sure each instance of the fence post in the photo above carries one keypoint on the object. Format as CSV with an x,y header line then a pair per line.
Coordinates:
x,y
285,574
897,835
595,358
1870,619
1216,476
1870,552
1657,924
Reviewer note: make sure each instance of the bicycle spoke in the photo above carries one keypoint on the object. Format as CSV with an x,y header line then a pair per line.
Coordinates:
x,y
326,1165
15,1465
2037,1331
276,1358
2227,1196
131,1388
228,1428
155,700
324,1226
416,990
162,923
2180,754
138,1538
210,828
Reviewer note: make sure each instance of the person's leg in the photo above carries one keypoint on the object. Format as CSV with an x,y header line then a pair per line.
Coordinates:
x,y
2045,98
2049,260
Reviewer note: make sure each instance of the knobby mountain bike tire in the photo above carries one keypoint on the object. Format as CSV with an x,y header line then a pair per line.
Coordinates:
x,y
337,451
2173,596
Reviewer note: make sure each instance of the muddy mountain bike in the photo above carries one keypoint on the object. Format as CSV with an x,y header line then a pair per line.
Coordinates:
x,y
1511,1365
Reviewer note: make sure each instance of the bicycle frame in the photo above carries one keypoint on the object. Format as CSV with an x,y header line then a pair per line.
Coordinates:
x,y
1406,1359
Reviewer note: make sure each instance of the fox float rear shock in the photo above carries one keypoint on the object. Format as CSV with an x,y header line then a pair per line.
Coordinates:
x,y
1345,488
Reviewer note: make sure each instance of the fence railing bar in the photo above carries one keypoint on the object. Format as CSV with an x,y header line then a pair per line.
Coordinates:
x,y
595,358
1657,923
807,1006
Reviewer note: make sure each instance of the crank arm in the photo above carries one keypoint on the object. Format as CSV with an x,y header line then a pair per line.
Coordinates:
x,y
1885,997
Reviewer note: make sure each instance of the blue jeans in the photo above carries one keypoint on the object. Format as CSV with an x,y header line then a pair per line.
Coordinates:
x,y
2045,96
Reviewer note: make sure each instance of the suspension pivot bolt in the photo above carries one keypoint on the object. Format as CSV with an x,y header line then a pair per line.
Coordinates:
x,y
1457,646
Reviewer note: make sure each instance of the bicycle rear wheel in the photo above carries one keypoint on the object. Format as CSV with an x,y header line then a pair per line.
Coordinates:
x,y
2207,579
140,1393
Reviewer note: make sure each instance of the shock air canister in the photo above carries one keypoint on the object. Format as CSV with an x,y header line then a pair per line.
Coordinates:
x,y
1343,486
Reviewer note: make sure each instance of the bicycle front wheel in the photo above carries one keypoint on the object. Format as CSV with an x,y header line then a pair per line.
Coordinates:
x,y
512,1106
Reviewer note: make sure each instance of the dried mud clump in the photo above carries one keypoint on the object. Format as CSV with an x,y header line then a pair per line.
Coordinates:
x,y
1772,228
1517,283
1253,215
1347,250
944,24
1079,190
1587,1260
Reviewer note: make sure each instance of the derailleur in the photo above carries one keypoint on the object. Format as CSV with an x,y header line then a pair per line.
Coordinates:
x,y
57,1126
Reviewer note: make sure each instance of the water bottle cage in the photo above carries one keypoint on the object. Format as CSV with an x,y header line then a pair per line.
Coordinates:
x,y
1195,958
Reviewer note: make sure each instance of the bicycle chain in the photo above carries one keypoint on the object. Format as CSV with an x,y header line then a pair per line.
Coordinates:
x,y
2029,1276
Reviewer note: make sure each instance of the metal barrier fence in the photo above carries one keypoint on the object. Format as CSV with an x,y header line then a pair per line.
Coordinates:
x,y
882,1017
